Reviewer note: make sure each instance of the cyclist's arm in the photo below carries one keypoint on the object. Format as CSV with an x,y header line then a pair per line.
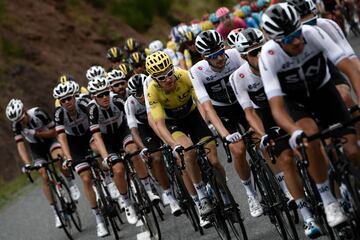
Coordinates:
x,y
280,114
24,155
48,122
353,73
254,120
153,126
132,123
99,143
164,132
62,138
50,133
212,116
136,136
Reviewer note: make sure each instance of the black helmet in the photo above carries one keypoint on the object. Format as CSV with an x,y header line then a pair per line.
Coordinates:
x,y
114,54
208,42
279,20
135,83
136,59
131,45
126,69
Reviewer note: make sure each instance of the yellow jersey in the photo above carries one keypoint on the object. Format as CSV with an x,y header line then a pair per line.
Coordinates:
x,y
172,105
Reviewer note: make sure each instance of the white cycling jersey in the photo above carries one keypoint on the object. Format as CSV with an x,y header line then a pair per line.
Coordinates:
x,y
215,86
248,88
299,76
146,84
336,34
135,112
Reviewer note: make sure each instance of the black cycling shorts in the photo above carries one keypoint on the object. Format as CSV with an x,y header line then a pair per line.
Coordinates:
x,y
79,149
326,106
336,76
40,151
273,130
231,116
192,125
149,137
115,142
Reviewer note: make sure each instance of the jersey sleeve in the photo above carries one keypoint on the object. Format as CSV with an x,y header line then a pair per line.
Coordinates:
x,y
156,108
94,118
44,118
119,103
145,88
268,65
16,129
59,120
130,113
198,85
238,84
322,40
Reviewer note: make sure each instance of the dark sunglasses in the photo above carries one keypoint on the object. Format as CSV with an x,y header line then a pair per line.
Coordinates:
x,y
103,94
139,94
216,54
66,99
163,77
255,52
119,84
290,38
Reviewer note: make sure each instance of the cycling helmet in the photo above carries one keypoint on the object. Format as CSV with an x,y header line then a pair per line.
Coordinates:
x,y
249,38
261,3
158,62
135,83
312,7
76,87
115,76
63,90
114,54
136,59
14,110
155,46
213,19
246,10
94,71
208,42
279,20
222,11
126,69
98,84
232,36
131,45
65,78
189,36
244,3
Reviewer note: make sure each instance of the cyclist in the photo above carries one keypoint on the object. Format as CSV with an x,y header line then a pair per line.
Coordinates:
x,y
137,61
127,69
210,78
118,83
36,127
115,56
176,57
95,71
111,134
131,45
72,127
79,91
249,90
227,22
171,100
293,64
145,137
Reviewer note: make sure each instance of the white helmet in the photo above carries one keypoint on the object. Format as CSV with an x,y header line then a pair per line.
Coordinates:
x,y
76,87
14,110
98,84
280,20
249,38
115,76
95,71
232,36
155,46
64,89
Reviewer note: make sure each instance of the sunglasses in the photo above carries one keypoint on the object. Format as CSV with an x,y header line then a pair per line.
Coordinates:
x,y
163,77
290,38
139,94
215,55
119,84
255,52
66,99
103,94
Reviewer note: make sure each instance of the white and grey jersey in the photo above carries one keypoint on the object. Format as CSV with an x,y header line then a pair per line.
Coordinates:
x,y
145,87
336,34
39,120
215,86
301,75
248,88
135,112
106,120
77,125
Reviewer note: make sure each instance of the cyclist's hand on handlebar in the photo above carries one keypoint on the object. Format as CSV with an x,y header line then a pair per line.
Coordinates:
x,y
67,163
234,137
264,142
177,149
295,137
144,154
110,160
26,168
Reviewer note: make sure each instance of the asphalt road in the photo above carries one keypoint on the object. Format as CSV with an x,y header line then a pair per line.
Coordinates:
x,y
29,217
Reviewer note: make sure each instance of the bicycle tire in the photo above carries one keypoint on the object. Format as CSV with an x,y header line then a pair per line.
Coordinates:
x,y
147,208
232,213
58,206
71,206
183,197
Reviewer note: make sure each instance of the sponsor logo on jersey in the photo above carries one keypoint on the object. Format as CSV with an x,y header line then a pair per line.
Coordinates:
x,y
271,52
241,75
